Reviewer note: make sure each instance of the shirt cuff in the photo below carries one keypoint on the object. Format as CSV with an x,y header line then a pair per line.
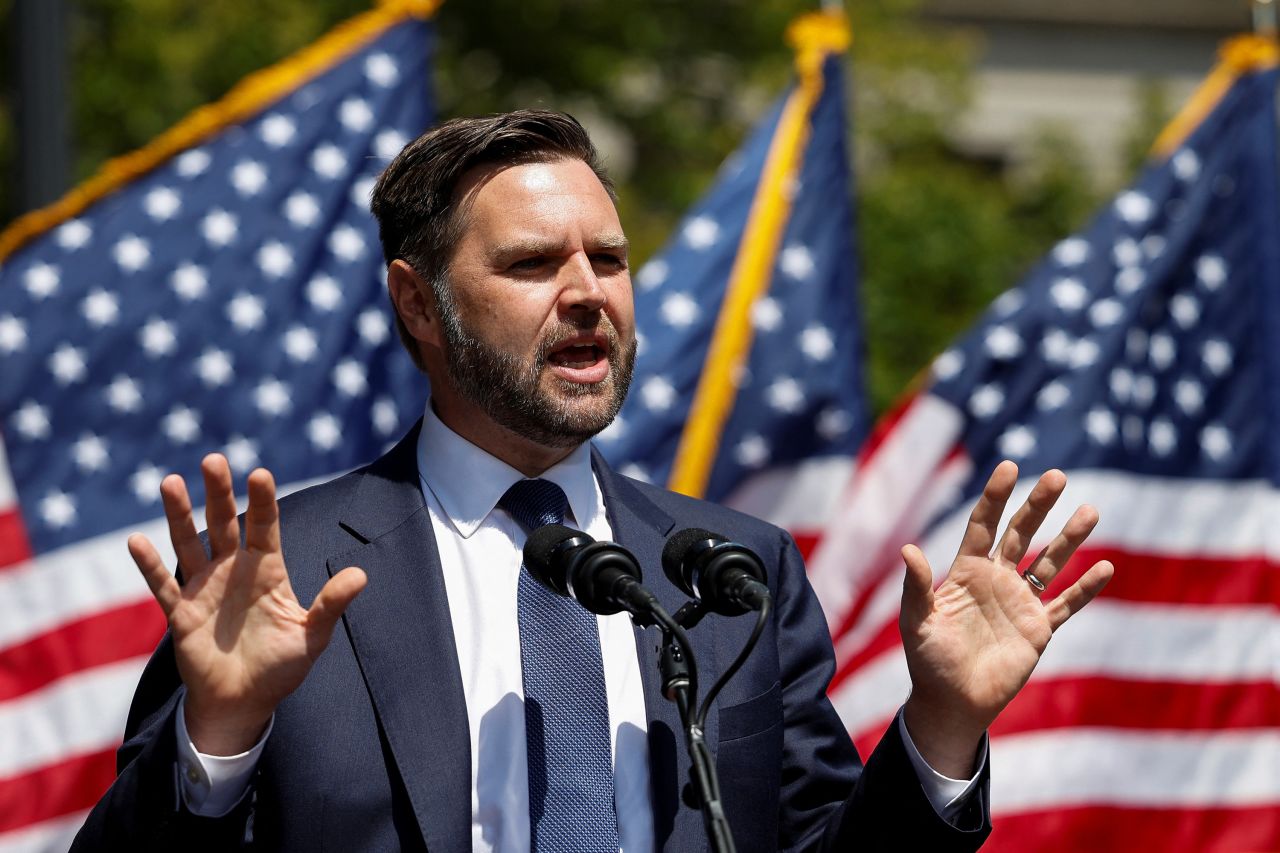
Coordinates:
x,y
212,785
947,796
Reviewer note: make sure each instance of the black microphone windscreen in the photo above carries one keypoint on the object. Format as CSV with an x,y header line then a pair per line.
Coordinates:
x,y
677,549
542,544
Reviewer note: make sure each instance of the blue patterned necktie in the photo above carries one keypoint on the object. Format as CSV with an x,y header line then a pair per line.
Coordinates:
x,y
566,709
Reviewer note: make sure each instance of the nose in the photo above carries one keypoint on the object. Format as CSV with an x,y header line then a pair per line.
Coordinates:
x,y
580,286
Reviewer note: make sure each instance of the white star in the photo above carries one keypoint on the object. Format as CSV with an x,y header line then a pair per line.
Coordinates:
x,y
272,397
641,342
1153,245
817,343
1144,391
1017,442
302,209
132,253
182,425
635,472
948,364
388,143
300,344
1163,437
1186,165
1127,252
248,177
1135,344
1211,270
90,453
275,259
833,423
13,334
1163,350
657,394
328,161
73,234
1134,207
346,243
1069,294
1053,396
1121,382
162,203
67,364
355,115
1056,346
1002,342
241,453
986,401
189,281
362,192
124,395
1101,426
1130,280
193,163
381,70
145,483
701,232
385,417
350,377
219,228
58,509
1084,353
157,337
323,293
246,312
1106,312
32,421
766,313
1185,310
1008,302
679,310
214,368
752,451
277,130
42,280
371,325
1071,252
652,274
616,429
796,262
1215,441
785,395
1189,395
324,432
1217,356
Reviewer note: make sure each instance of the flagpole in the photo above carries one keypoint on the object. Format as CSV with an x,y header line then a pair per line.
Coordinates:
x,y
1264,18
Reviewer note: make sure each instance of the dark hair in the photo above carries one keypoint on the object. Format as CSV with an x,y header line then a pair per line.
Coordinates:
x,y
419,219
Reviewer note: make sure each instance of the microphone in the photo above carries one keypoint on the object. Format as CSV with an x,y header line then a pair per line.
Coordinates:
x,y
601,576
726,577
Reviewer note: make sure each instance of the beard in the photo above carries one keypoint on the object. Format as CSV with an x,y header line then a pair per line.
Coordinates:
x,y
510,390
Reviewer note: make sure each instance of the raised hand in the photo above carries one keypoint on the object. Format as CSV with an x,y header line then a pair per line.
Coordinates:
x,y
972,643
241,639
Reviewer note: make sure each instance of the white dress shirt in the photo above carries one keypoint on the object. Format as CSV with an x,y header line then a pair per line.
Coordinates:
x,y
480,548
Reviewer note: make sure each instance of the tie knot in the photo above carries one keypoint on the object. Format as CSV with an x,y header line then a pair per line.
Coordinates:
x,y
535,503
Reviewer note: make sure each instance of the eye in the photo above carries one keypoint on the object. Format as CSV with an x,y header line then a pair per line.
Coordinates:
x,y
528,264
610,259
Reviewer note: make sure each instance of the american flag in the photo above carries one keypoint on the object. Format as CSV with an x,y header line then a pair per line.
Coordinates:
x,y
1142,356
772,240
222,290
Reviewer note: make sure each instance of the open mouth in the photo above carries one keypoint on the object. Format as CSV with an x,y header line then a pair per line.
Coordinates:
x,y
583,359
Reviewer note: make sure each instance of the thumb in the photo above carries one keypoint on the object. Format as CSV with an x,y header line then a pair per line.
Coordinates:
x,y
917,586
329,606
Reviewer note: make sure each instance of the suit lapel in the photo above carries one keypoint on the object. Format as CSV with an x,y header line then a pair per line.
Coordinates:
x,y
402,634
642,527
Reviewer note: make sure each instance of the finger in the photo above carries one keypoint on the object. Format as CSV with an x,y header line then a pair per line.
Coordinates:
x,y
980,534
329,606
1027,520
262,520
162,584
1080,593
220,506
917,587
182,527
1055,555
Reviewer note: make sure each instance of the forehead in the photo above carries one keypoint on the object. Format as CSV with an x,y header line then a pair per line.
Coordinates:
x,y
536,199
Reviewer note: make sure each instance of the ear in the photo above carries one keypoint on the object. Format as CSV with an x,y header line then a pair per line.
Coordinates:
x,y
415,302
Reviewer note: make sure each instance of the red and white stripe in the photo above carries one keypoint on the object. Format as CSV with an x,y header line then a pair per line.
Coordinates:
x,y
1153,720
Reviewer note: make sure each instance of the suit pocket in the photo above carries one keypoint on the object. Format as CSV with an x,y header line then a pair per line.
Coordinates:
x,y
757,714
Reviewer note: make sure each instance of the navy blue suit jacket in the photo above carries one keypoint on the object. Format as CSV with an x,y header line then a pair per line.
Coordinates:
x,y
372,752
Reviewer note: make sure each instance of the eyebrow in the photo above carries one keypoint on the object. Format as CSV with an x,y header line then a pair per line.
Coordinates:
x,y
534,246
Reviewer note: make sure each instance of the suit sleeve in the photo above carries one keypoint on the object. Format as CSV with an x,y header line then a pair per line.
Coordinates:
x,y
829,800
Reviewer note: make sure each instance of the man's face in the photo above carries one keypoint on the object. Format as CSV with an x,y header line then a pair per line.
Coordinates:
x,y
541,331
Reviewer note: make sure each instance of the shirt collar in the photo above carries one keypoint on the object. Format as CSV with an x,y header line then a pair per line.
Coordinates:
x,y
468,482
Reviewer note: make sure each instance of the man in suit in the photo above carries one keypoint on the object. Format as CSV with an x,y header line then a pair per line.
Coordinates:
x,y
462,706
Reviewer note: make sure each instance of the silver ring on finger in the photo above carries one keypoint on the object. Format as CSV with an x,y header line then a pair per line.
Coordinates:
x,y
1036,583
